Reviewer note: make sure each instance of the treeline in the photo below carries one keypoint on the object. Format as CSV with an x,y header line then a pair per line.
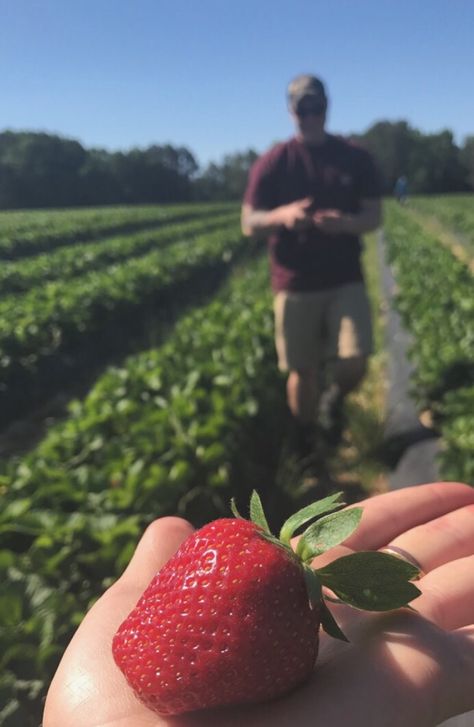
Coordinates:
x,y
46,170
432,163
43,170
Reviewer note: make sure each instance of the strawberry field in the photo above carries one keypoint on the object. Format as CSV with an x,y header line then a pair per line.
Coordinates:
x,y
455,213
165,316
436,301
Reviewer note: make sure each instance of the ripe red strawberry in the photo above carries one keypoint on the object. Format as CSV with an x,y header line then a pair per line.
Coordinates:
x,y
233,617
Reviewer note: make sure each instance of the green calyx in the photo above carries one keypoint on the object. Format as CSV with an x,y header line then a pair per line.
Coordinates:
x,y
371,581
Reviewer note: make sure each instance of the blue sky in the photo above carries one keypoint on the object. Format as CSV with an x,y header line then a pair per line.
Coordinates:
x,y
211,74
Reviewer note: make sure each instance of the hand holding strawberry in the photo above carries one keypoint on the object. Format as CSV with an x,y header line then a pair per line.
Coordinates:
x,y
400,668
234,616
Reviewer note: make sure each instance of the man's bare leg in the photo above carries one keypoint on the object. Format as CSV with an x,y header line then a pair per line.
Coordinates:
x,y
301,395
347,374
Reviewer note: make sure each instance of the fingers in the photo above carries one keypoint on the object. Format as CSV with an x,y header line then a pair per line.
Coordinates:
x,y
434,523
387,516
159,542
441,540
447,594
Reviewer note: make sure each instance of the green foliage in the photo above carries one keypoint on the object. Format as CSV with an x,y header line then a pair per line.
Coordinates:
x,y
173,430
73,260
45,170
454,211
456,412
226,180
431,162
467,159
28,233
55,319
436,301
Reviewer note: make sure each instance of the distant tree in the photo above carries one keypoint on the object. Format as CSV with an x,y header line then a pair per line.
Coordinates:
x,y
439,169
156,174
39,170
97,182
467,159
392,144
431,162
227,180
177,159
170,169
44,170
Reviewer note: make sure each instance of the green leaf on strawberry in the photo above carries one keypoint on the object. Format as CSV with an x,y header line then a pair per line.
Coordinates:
x,y
371,581
329,624
310,512
257,514
327,533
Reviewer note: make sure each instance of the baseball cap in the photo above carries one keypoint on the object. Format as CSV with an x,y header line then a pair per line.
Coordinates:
x,y
306,86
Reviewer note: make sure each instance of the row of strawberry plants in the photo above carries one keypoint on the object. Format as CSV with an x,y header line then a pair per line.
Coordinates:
x,y
454,211
31,232
45,331
436,301
73,260
177,429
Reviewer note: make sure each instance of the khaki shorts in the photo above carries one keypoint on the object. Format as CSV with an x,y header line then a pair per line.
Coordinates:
x,y
313,327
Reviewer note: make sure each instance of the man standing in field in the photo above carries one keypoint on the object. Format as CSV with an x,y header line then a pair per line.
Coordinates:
x,y
313,196
401,189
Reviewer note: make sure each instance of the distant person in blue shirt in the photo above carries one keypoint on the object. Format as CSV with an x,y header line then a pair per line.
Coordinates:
x,y
401,189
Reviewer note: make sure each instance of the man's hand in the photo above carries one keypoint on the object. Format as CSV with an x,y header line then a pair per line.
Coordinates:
x,y
296,215
332,222
335,222
293,216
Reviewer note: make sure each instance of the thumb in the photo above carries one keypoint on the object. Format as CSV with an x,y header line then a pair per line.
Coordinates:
x,y
85,689
159,542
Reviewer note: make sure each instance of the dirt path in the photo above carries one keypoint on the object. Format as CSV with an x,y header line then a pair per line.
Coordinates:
x,y
410,447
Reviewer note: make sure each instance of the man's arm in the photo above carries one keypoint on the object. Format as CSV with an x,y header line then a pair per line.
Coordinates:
x,y
368,219
336,222
260,223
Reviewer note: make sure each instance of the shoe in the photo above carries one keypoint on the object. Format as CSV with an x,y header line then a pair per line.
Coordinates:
x,y
331,419
302,438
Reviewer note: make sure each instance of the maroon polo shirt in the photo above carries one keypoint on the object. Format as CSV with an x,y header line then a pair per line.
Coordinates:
x,y
336,175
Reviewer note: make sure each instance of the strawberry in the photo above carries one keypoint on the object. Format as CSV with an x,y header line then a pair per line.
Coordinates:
x,y
234,615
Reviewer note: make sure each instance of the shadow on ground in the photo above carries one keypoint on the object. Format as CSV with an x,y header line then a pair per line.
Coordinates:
x,y
301,482
393,447
360,466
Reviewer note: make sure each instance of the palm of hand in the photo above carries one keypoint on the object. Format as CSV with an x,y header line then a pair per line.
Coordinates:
x,y
97,693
